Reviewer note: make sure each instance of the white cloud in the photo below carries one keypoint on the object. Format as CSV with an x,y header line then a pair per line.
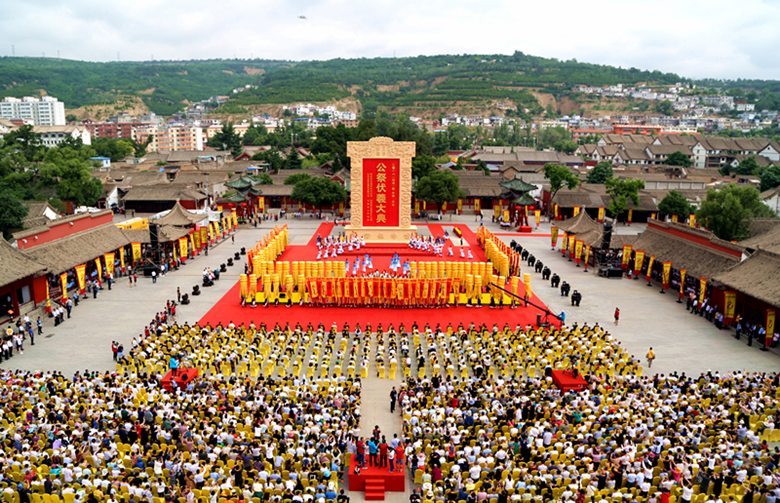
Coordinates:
x,y
717,38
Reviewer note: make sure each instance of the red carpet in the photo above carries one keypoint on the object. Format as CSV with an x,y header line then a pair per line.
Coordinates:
x,y
393,482
567,382
523,234
228,309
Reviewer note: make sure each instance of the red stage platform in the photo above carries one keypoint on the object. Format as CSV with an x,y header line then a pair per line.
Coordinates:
x,y
228,309
368,478
183,376
566,381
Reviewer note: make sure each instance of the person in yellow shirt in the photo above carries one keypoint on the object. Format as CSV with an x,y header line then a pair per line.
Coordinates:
x,y
650,358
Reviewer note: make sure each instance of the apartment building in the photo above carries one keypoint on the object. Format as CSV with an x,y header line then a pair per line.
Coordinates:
x,y
47,111
51,136
170,137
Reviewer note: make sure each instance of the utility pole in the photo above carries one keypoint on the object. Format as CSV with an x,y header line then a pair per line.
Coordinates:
x,y
13,51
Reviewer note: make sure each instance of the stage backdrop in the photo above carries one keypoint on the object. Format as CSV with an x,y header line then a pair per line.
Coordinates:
x,y
381,182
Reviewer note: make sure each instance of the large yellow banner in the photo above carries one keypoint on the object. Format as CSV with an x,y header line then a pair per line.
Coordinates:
x,y
730,308
136,251
630,215
601,214
639,259
626,255
554,236
460,205
675,218
538,215
183,248
666,275
587,255
477,205
506,215
770,325
64,282
110,258
650,267
122,258
576,210
235,218
261,204
692,220
81,277
99,270
196,239
572,238
557,211
682,282
578,250
497,211
702,289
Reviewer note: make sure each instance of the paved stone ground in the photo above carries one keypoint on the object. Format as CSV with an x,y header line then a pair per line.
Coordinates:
x,y
682,342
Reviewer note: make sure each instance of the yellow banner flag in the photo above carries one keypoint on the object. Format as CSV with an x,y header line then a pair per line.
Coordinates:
x,y
730,308
650,267
682,282
630,215
554,236
571,245
770,325
639,259
626,255
674,218
667,274
576,210
692,220
136,251
261,204
122,258
235,218
601,214
182,248
527,281
64,282
497,211
99,270
538,215
477,205
587,255
196,239
110,258
702,289
81,277
460,205
557,210
578,250
506,215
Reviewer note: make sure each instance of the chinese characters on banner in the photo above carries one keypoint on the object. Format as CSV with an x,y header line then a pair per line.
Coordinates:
x,y
601,214
730,310
381,192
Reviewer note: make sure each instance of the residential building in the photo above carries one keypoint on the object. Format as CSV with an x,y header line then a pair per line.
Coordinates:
x,y
170,138
51,136
47,111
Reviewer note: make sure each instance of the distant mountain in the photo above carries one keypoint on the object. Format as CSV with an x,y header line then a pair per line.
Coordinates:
x,y
418,83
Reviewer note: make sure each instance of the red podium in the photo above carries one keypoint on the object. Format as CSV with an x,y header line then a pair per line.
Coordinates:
x,y
566,381
184,376
375,481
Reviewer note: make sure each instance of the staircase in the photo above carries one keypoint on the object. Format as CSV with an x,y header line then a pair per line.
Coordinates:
x,y
375,489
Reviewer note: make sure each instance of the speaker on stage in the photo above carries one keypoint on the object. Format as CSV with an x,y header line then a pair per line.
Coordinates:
x,y
154,236
607,238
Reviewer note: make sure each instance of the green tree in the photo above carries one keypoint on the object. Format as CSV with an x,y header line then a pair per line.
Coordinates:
x,y
272,157
71,172
293,160
255,135
674,203
770,178
319,192
665,107
114,148
748,166
678,159
265,179
559,177
728,212
600,173
460,165
484,167
71,118
139,149
227,139
296,178
422,165
620,191
439,187
12,212
565,146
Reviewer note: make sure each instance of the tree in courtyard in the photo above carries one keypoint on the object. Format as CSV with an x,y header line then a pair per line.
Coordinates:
x,y
484,167
439,187
559,177
728,212
12,212
422,165
674,203
227,139
71,172
296,178
293,160
770,178
600,173
318,192
621,191
678,159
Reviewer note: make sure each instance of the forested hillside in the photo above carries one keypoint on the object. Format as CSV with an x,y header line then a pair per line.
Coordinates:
x,y
424,82
163,86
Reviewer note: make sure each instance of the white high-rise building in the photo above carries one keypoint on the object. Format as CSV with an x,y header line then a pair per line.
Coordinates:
x,y
47,111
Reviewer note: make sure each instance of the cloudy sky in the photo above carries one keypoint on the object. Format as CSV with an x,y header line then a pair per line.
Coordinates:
x,y
694,38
